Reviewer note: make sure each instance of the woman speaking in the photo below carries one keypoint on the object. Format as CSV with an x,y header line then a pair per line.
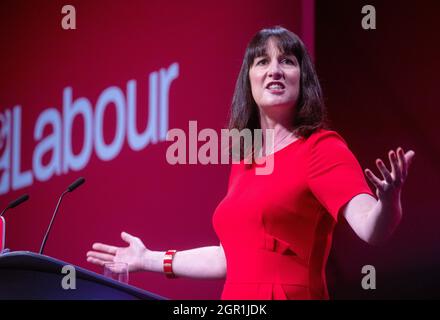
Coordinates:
x,y
276,230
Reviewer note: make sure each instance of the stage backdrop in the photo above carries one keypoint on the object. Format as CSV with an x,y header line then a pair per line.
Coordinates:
x,y
97,102
381,89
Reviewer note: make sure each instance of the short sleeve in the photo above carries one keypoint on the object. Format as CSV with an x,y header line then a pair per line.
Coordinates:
x,y
334,174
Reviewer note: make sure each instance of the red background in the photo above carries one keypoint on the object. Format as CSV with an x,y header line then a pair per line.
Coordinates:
x,y
138,191
380,88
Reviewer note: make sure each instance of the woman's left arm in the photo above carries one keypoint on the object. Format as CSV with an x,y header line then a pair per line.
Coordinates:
x,y
374,221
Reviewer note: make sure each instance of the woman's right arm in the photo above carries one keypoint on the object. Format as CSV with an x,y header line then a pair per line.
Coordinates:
x,y
202,263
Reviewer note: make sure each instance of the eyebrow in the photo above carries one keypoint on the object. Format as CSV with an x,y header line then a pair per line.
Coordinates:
x,y
282,55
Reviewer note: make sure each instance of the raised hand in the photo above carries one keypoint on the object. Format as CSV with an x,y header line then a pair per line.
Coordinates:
x,y
389,188
134,255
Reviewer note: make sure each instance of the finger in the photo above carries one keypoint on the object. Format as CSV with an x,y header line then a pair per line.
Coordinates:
x,y
374,180
395,168
402,161
104,248
128,238
383,169
101,256
96,261
409,157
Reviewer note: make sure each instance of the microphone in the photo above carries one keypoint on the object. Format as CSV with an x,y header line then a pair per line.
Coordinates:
x,y
76,184
15,203
70,188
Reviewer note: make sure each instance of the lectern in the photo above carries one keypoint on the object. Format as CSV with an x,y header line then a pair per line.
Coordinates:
x,y
27,275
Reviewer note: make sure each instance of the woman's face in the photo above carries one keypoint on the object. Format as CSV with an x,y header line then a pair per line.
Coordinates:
x,y
275,78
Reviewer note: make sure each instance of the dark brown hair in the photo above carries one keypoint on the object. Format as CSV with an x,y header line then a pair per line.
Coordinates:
x,y
310,113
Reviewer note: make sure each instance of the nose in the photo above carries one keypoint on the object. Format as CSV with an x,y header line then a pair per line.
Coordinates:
x,y
275,71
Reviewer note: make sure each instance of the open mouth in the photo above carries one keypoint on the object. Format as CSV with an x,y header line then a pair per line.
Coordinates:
x,y
275,86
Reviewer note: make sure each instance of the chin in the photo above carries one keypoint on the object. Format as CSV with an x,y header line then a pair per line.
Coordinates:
x,y
278,104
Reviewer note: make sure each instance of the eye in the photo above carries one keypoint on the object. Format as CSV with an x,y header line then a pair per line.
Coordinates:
x,y
261,62
289,61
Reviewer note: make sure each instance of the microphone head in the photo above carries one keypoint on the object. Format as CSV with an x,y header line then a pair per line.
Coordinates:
x,y
18,201
76,184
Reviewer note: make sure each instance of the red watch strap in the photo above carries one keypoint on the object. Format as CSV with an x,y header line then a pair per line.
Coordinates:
x,y
168,263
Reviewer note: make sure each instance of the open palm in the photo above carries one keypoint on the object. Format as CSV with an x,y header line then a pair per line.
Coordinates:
x,y
133,255
392,182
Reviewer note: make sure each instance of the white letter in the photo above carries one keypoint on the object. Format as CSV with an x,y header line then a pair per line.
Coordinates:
x,y
369,281
68,21
211,146
192,148
166,77
5,150
80,106
19,180
179,145
237,150
369,21
69,281
110,95
138,141
52,142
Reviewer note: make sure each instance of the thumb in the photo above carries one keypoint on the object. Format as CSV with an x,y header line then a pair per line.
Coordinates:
x,y
127,237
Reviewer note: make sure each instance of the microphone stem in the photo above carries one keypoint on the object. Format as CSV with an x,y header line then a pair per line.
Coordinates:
x,y
51,222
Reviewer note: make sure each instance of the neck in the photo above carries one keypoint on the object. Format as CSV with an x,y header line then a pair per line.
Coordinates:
x,y
281,124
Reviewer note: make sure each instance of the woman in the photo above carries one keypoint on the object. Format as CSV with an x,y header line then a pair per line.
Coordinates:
x,y
275,230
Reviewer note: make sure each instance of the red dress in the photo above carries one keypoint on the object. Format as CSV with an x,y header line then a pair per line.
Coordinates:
x,y
276,230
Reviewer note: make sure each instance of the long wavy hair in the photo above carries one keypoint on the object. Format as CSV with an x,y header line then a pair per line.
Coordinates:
x,y
310,112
